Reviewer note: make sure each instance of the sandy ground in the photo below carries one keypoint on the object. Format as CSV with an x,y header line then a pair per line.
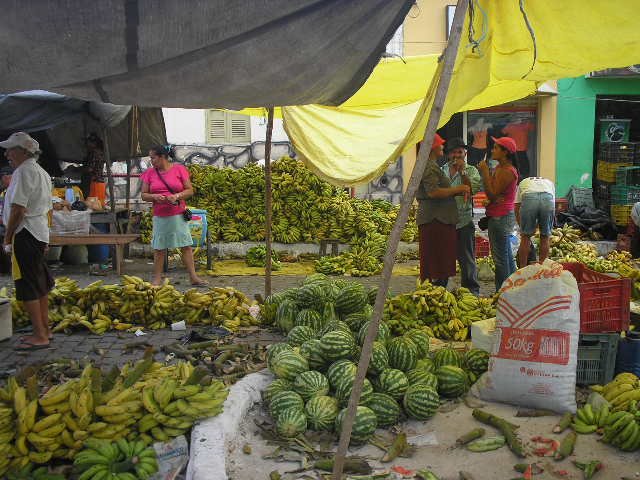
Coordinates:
x,y
435,439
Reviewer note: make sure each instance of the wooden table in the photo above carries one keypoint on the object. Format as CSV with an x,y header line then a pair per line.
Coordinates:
x,y
117,240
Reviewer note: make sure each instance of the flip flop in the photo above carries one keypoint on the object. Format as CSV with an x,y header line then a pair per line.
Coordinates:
x,y
30,346
22,338
200,285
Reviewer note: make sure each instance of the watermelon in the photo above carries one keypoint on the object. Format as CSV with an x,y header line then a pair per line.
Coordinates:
x,y
299,334
286,315
329,314
291,423
312,351
385,407
352,298
334,325
421,339
425,364
393,382
422,377
289,365
403,353
315,277
355,320
447,356
321,412
339,369
311,384
343,392
364,424
337,344
276,348
285,400
421,401
270,307
310,318
452,381
340,283
278,385
379,358
383,332
477,360
311,296
371,295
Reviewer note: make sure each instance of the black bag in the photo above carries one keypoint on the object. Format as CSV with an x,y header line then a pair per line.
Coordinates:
x,y
187,214
483,223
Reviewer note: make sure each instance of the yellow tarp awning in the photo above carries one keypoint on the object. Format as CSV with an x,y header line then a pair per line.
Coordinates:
x,y
355,142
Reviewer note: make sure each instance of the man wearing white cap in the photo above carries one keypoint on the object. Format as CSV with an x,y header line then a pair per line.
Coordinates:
x,y
26,217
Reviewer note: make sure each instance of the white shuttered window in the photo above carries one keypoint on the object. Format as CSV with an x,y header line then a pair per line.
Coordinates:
x,y
226,127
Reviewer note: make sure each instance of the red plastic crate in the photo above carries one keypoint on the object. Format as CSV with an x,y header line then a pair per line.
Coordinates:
x,y
479,199
482,247
604,300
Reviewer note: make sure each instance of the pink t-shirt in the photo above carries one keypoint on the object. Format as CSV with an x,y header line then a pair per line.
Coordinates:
x,y
175,177
507,205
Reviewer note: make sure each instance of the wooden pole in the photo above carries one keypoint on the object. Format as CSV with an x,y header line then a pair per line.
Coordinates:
x,y
444,79
267,202
107,158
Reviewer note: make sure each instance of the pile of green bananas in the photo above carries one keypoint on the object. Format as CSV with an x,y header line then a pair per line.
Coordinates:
x,y
257,257
473,308
363,259
31,472
144,402
100,307
621,391
428,306
305,208
119,460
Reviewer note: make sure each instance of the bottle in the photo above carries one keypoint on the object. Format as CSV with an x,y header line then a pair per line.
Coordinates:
x,y
69,195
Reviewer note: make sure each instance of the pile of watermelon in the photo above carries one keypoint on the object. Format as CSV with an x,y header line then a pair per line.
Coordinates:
x,y
326,323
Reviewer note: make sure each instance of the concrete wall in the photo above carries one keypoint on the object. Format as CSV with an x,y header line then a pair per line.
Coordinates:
x,y
577,123
184,125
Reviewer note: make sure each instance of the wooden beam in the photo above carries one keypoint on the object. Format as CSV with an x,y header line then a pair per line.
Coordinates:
x,y
267,202
107,158
448,61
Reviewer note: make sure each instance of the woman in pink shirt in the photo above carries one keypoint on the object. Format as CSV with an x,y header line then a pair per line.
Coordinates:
x,y
167,186
501,190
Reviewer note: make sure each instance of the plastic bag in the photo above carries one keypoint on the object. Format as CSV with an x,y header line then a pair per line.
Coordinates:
x,y
534,353
70,222
173,456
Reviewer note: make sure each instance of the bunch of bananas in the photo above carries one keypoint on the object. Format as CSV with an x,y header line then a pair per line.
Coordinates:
x,y
332,265
566,245
589,419
30,472
620,429
257,257
488,260
147,401
473,308
119,460
305,208
428,306
621,391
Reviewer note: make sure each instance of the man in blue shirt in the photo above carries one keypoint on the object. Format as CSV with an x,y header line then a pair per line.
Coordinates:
x,y
460,173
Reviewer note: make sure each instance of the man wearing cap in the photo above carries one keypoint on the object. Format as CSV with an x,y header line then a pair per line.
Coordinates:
x,y
26,208
460,173
437,217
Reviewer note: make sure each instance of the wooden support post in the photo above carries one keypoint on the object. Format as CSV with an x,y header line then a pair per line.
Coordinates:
x,y
443,80
107,158
267,203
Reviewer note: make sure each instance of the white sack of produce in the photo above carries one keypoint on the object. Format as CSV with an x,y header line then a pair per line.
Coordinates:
x,y
534,353
482,333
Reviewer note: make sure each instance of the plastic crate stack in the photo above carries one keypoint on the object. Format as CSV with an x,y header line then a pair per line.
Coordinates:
x,y
618,172
580,197
604,313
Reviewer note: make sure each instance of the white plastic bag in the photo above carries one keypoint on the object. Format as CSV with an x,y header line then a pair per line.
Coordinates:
x,y
534,352
172,458
482,333
70,222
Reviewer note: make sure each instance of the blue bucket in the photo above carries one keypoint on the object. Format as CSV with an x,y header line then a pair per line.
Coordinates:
x,y
99,253
628,359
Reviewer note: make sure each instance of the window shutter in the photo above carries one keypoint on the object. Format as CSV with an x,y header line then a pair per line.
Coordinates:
x,y
225,127
215,133
239,128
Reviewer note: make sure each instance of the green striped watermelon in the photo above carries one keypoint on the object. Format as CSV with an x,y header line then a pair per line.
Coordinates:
x,y
321,412
310,318
421,339
452,381
403,353
364,424
300,334
270,307
289,365
291,423
477,361
276,348
334,325
447,356
311,296
383,332
315,277
337,344
421,401
311,384
421,377
352,298
285,400
343,392
379,358
371,295
355,320
340,369
425,364
278,385
393,382
385,407
312,351
286,315
329,314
